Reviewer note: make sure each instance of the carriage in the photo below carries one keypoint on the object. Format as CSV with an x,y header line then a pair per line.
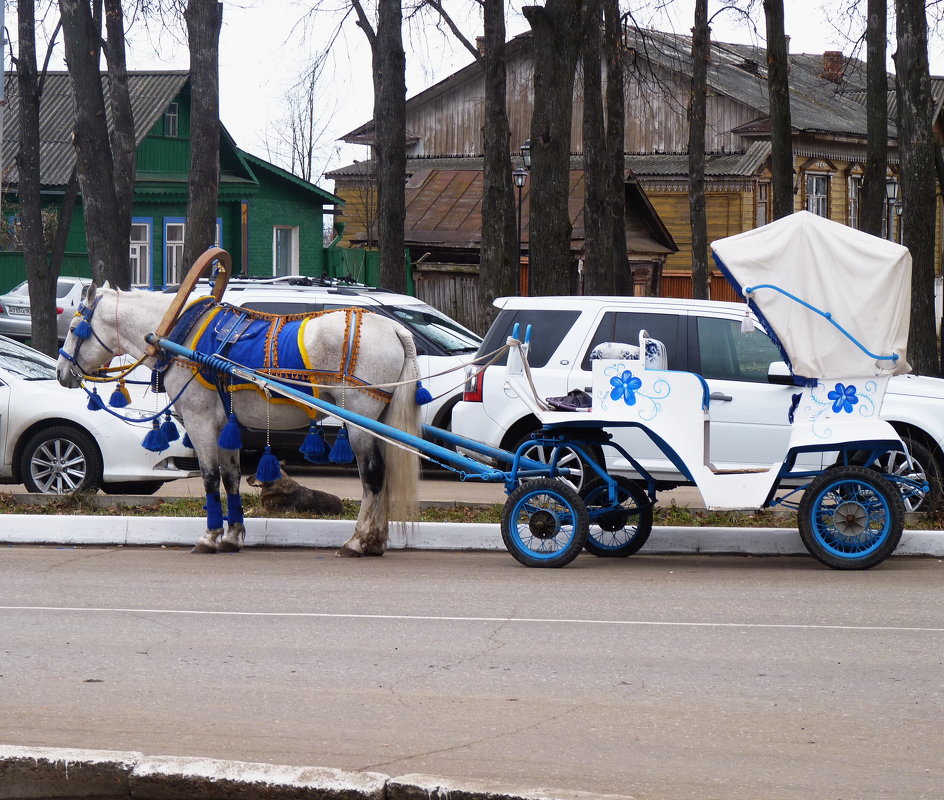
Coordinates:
x,y
837,302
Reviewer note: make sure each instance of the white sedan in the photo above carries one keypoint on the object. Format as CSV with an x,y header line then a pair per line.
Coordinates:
x,y
53,444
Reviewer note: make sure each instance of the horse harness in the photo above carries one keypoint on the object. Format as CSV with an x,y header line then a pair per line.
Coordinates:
x,y
271,344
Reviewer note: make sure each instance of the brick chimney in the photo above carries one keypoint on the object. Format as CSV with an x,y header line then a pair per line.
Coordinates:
x,y
480,45
833,66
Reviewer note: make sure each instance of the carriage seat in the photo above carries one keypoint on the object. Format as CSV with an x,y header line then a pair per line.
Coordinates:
x,y
654,350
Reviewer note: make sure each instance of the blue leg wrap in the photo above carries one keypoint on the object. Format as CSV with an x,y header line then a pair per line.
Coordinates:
x,y
214,509
234,508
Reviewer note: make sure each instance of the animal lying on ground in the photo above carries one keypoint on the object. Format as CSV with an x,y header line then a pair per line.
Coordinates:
x,y
287,494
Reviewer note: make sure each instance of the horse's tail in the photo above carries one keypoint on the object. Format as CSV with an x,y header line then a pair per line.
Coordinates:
x,y
402,466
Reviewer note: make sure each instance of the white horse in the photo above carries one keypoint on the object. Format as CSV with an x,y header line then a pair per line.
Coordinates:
x,y
369,351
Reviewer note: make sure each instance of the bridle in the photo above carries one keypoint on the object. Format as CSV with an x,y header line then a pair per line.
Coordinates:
x,y
82,332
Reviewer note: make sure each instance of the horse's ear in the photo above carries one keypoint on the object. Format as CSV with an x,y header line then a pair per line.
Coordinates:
x,y
89,294
106,285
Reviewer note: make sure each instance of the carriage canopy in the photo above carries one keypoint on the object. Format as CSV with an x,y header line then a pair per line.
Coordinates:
x,y
838,300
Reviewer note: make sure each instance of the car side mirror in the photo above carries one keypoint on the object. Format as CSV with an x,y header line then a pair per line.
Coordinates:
x,y
779,373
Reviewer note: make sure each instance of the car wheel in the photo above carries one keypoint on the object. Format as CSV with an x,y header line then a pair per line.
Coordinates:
x,y
61,460
132,487
581,472
924,466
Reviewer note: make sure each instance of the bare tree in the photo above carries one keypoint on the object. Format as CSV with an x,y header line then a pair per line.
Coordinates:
x,y
781,131
104,164
499,259
872,200
701,52
556,28
615,136
389,65
916,149
204,19
599,275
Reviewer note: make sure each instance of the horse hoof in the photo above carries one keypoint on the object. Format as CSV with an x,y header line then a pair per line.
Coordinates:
x,y
202,548
228,547
347,552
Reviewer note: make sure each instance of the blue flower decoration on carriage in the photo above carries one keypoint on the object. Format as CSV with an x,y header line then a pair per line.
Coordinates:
x,y
843,397
625,387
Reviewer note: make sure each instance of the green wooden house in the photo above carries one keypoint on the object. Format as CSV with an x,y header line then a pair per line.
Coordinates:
x,y
271,222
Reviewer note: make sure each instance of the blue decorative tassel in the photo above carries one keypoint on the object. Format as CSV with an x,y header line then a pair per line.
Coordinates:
x,y
120,397
83,330
169,428
422,394
269,468
229,436
186,442
314,447
156,439
95,402
341,452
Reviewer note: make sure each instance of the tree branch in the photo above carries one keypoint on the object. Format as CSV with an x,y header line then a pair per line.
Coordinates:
x,y
455,29
364,23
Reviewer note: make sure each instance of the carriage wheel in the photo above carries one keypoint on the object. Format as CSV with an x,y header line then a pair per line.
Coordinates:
x,y
544,523
851,518
621,530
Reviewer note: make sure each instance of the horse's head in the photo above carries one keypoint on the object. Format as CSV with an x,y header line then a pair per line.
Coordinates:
x,y
85,348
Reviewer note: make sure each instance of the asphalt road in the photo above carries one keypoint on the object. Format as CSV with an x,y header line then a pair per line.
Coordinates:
x,y
660,677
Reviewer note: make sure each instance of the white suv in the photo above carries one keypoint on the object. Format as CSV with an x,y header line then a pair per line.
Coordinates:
x,y
750,386
443,346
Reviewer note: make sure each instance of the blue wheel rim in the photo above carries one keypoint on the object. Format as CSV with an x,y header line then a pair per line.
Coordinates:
x,y
850,519
611,540
542,524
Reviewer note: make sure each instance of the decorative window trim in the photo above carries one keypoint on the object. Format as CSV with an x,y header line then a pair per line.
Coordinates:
x,y
148,223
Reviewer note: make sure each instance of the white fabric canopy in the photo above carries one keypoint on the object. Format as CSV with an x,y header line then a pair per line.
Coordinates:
x,y
863,282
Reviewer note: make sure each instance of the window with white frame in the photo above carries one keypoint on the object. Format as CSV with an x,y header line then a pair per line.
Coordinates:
x,y
172,120
855,193
817,194
284,250
174,232
140,253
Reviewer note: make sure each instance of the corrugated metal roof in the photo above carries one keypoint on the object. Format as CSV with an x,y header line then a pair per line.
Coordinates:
x,y
444,209
151,93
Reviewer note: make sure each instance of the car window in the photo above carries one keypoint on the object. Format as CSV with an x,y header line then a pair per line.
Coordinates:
x,y
729,354
624,326
63,288
437,327
548,329
25,362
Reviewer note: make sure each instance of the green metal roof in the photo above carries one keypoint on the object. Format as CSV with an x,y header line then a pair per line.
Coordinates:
x,y
256,162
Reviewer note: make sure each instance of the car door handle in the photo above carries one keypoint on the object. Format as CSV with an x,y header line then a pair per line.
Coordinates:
x,y
721,396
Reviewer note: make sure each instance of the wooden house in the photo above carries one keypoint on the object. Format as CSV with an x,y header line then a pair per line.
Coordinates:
x,y
829,134
270,221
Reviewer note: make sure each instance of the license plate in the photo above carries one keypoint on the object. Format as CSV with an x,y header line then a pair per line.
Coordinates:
x,y
18,311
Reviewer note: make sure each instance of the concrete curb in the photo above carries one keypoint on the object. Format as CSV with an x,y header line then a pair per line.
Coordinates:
x,y
52,773
265,532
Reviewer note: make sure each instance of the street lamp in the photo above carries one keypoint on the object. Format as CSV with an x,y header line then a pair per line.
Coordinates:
x,y
894,204
520,176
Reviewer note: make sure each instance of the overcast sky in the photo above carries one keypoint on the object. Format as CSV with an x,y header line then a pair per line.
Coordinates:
x,y
266,44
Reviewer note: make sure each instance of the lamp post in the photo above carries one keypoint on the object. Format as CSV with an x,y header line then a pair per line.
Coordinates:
x,y
520,176
894,207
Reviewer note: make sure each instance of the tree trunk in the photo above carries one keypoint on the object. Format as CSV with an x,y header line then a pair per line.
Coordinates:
x,y
781,130
40,279
701,52
499,256
872,197
598,268
615,136
556,29
104,226
203,18
389,62
916,151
